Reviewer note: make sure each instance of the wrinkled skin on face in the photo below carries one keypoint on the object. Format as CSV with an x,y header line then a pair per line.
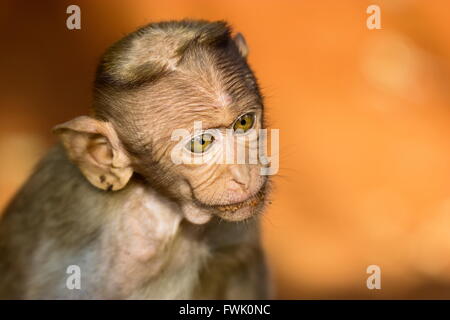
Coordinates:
x,y
231,191
209,82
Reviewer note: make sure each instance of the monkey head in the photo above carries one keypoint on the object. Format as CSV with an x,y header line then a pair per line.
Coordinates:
x,y
152,89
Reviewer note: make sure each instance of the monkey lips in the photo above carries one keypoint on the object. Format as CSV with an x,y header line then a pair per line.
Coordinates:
x,y
238,211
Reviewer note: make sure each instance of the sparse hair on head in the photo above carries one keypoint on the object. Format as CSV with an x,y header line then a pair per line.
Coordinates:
x,y
155,49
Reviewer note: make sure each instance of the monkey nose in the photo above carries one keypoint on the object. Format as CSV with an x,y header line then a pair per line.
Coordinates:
x,y
240,175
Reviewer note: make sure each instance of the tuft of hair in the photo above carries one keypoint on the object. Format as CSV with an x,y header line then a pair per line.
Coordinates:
x,y
156,49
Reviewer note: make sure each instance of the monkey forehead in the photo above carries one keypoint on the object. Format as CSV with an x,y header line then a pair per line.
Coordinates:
x,y
224,99
184,116
184,99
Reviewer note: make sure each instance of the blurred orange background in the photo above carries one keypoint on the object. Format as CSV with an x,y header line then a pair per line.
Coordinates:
x,y
364,119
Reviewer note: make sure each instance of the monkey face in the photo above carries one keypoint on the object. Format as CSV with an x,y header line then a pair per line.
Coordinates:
x,y
217,169
224,182
200,143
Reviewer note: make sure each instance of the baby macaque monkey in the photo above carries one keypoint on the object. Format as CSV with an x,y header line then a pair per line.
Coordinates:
x,y
110,199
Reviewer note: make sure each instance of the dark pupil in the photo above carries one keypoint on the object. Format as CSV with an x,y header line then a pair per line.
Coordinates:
x,y
202,141
243,122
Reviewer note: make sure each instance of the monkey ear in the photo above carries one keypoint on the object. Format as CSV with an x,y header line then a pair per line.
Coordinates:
x,y
241,44
95,148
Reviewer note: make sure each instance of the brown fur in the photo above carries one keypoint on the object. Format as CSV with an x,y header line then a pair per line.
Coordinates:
x,y
110,200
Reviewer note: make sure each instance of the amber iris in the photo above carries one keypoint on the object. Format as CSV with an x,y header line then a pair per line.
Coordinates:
x,y
200,143
244,123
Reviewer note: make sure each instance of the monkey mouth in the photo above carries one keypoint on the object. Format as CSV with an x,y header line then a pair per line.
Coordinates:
x,y
250,202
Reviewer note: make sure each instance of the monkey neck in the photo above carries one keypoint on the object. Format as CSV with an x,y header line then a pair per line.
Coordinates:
x,y
157,213
148,236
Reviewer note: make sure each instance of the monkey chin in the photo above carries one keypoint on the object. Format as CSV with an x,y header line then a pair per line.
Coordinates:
x,y
201,213
242,210
240,214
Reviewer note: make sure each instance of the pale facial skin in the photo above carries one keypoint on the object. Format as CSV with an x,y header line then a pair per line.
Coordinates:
x,y
231,191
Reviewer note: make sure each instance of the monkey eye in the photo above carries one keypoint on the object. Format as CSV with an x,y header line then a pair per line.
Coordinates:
x,y
244,123
200,143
